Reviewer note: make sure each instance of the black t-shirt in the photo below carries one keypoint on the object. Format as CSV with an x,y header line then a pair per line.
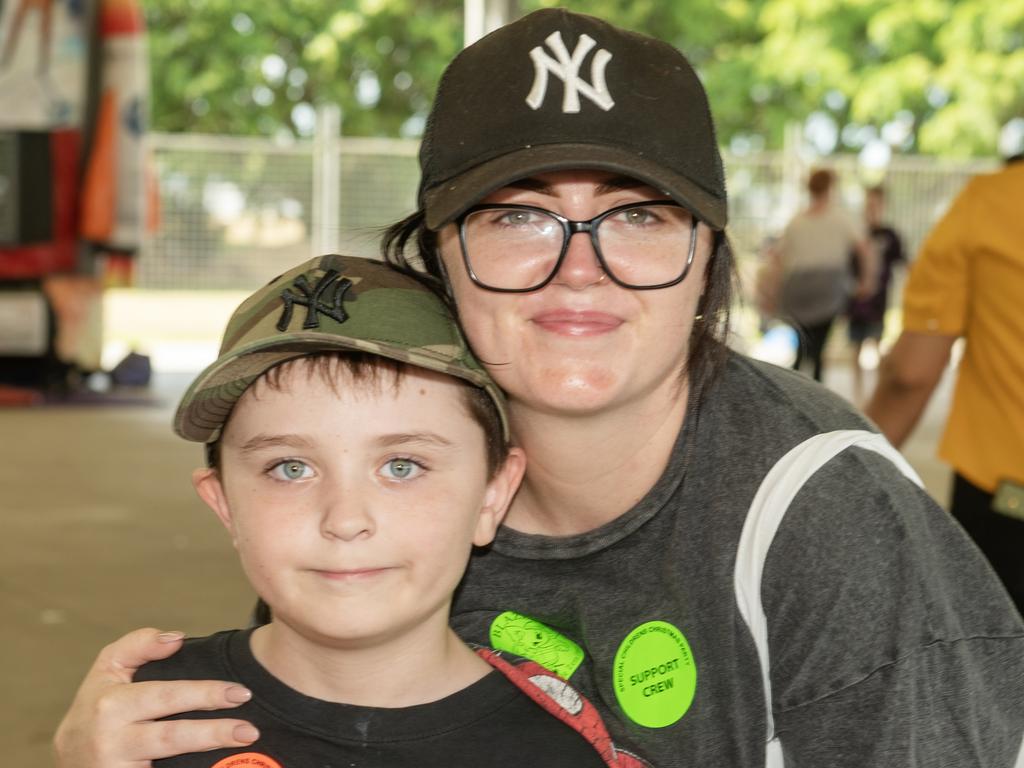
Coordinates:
x,y
889,247
490,723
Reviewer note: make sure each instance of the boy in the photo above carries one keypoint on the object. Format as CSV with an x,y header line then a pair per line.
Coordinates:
x,y
867,316
356,453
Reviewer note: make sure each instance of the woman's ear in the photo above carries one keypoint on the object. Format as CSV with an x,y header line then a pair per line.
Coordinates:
x,y
210,489
501,489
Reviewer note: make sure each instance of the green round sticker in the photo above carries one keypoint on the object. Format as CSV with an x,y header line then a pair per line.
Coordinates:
x,y
654,675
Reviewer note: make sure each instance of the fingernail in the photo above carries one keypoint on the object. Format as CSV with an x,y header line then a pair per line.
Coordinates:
x,y
170,637
236,694
245,734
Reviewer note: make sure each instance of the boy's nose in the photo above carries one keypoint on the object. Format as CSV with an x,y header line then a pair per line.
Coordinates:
x,y
347,516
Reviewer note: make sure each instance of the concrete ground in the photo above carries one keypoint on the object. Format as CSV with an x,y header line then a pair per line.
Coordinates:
x,y
102,534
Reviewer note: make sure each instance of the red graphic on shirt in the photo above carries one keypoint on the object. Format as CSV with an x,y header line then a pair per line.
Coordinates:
x,y
564,702
247,760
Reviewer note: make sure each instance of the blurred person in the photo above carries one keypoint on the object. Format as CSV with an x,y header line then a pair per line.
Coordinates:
x,y
766,282
866,317
813,262
573,206
968,283
356,454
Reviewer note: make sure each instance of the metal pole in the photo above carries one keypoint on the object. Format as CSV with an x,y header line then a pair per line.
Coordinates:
x,y
793,170
483,16
472,21
326,214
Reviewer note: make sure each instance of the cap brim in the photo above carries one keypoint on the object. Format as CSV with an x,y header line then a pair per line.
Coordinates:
x,y
444,202
215,392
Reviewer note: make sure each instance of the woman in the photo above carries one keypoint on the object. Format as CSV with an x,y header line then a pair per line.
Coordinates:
x,y
814,252
573,205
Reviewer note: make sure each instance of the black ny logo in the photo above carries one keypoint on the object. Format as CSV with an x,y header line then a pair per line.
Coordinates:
x,y
322,299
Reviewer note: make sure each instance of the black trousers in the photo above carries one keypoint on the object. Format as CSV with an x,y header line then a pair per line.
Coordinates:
x,y
1000,538
811,344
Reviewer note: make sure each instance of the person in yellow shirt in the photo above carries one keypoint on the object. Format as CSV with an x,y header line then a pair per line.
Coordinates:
x,y
968,281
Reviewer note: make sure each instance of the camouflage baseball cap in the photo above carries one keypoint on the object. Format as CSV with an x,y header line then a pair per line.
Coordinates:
x,y
330,303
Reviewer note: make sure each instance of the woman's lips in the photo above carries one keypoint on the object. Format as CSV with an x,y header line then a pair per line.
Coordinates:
x,y
576,323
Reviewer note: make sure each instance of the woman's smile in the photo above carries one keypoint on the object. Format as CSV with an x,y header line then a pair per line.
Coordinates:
x,y
569,322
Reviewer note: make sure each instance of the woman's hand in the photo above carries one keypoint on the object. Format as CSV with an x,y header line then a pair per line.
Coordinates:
x,y
111,721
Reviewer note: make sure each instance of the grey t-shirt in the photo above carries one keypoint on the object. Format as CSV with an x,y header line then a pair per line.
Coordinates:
x,y
891,641
816,277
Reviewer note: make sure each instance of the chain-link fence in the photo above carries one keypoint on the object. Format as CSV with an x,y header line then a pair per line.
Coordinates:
x,y
237,211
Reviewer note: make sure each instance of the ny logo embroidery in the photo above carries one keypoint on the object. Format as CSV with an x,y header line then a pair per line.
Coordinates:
x,y
567,68
323,299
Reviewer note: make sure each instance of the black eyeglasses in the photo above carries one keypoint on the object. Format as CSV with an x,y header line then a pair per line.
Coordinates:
x,y
520,248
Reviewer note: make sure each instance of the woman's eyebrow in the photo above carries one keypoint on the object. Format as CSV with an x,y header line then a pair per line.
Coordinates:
x,y
619,183
614,184
530,185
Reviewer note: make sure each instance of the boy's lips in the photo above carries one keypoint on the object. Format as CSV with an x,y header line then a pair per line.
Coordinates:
x,y
351,574
568,322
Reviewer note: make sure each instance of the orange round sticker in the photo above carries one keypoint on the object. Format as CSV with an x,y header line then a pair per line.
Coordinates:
x,y
247,760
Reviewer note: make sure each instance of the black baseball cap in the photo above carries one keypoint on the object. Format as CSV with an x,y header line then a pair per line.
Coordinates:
x,y
558,90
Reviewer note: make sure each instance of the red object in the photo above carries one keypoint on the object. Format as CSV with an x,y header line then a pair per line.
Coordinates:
x,y
121,17
18,396
60,254
99,193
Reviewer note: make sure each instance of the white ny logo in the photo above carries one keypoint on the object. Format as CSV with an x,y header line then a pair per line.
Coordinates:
x,y
567,68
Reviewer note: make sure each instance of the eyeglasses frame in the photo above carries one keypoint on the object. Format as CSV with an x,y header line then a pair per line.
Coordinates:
x,y
570,228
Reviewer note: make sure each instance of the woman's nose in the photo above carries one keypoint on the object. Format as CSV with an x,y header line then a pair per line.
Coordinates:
x,y
580,268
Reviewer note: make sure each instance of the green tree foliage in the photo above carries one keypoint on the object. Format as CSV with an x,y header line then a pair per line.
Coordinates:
x,y
933,76
259,68
943,75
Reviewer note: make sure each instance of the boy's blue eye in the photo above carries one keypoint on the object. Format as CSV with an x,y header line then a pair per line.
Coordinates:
x,y
401,469
291,470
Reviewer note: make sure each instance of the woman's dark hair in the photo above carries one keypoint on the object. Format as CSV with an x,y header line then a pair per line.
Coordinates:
x,y
707,339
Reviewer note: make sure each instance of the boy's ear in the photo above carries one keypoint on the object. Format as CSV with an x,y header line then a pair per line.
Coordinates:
x,y
500,491
207,483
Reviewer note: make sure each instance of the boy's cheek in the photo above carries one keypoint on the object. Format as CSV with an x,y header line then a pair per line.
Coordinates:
x,y
254,560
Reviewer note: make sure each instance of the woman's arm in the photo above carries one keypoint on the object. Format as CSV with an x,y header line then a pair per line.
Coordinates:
x,y
111,722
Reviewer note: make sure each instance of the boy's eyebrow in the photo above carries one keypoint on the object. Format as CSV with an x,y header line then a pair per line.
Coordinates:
x,y
262,442
414,438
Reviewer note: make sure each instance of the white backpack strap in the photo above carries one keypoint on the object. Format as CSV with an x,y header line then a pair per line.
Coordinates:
x,y
771,501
